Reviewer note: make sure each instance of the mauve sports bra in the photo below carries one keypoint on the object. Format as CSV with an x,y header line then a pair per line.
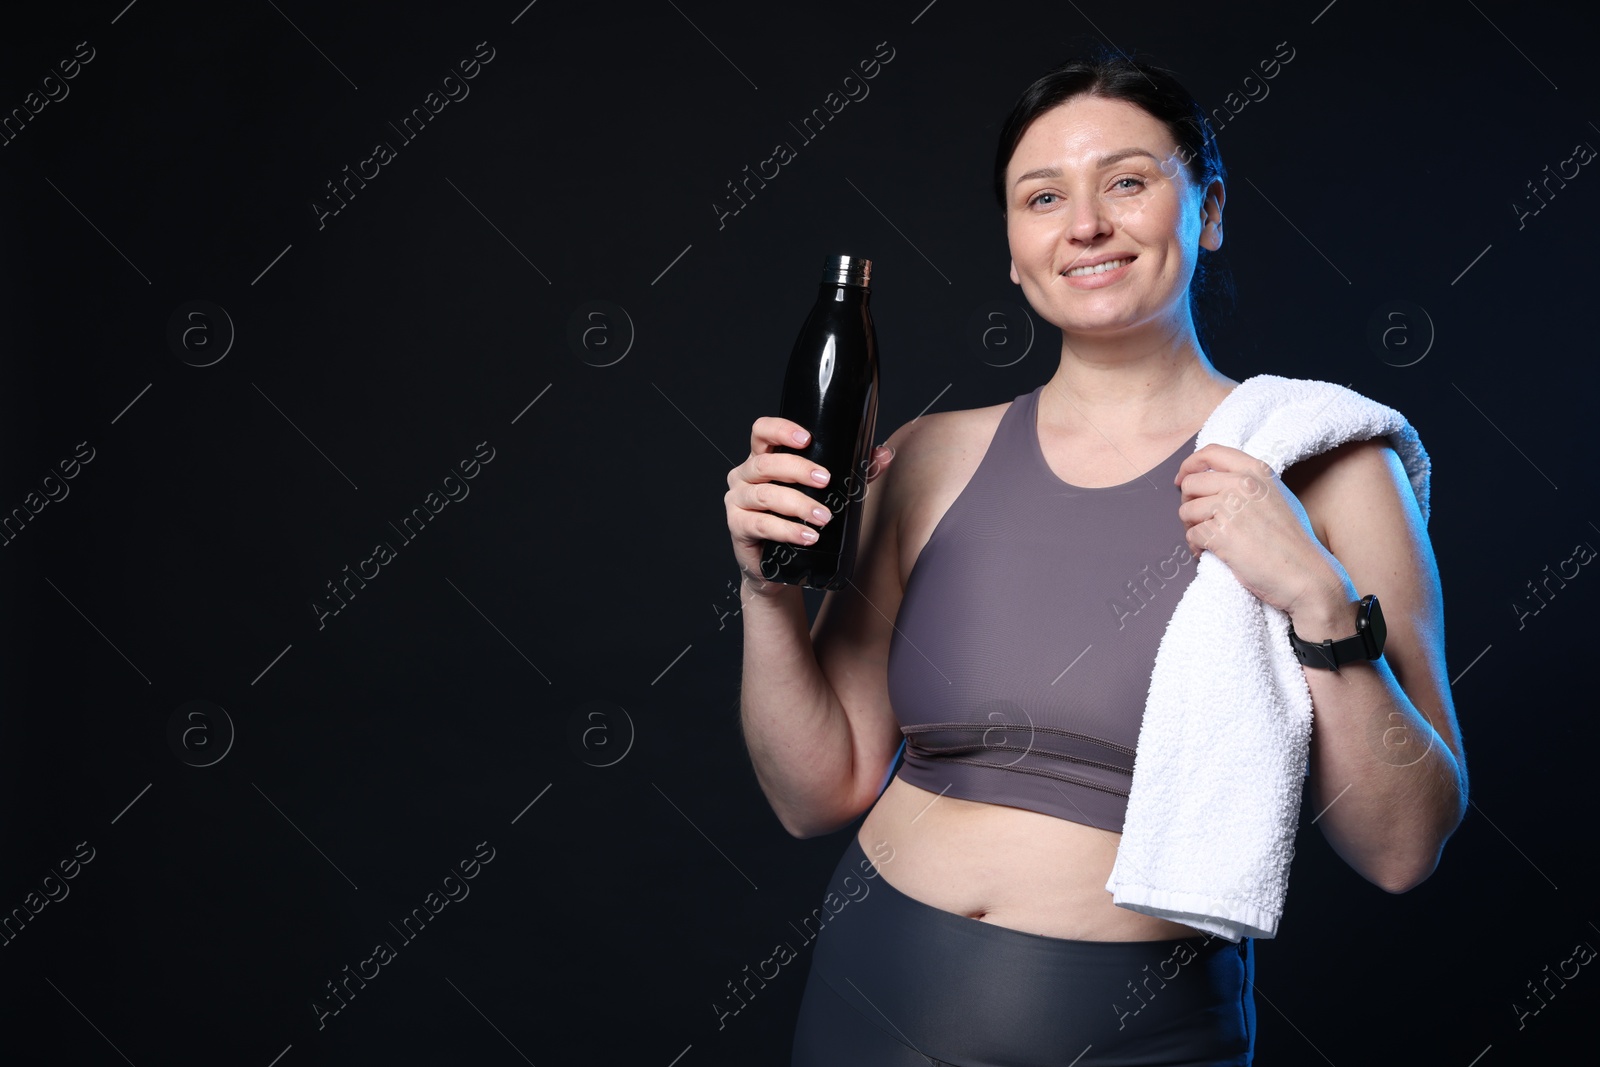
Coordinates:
x,y
1023,648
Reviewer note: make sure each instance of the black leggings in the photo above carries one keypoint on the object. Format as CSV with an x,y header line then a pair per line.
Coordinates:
x,y
897,982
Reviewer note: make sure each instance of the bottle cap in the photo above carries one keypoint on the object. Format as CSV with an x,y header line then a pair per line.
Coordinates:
x,y
848,270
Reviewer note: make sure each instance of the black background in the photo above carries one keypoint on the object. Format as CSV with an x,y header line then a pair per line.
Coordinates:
x,y
589,568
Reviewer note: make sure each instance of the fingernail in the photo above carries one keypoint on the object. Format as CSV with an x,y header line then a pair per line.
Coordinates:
x,y
808,535
800,437
819,476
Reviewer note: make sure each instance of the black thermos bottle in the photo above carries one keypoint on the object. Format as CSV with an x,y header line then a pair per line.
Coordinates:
x,y
831,389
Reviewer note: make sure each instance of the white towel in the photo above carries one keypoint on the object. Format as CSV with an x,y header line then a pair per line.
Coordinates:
x,y
1224,747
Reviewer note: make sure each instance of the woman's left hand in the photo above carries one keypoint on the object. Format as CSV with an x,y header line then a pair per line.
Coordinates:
x,y
1234,505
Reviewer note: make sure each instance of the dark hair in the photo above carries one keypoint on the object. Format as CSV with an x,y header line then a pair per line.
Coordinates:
x,y
1158,92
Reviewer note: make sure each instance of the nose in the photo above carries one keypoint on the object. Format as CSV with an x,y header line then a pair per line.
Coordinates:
x,y
1089,219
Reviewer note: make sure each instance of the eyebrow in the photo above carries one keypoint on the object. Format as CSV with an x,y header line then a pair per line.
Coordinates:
x,y
1103,161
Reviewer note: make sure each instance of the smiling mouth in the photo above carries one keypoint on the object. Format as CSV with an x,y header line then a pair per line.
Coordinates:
x,y
1098,268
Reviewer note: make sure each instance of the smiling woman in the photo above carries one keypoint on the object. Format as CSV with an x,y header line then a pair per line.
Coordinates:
x,y
1152,175
975,640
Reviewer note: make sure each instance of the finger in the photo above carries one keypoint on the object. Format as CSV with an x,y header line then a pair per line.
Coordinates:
x,y
1214,457
774,498
1199,483
784,467
772,431
768,525
1193,463
882,456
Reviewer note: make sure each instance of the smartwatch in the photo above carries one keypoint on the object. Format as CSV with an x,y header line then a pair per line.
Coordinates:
x,y
1367,644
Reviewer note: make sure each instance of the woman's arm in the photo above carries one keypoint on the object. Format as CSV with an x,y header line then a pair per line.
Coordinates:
x,y
814,706
1388,777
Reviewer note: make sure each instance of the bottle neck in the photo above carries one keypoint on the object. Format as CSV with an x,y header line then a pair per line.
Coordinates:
x,y
848,270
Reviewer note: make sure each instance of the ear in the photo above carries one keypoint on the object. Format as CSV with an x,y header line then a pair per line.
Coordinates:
x,y
1211,216
1014,279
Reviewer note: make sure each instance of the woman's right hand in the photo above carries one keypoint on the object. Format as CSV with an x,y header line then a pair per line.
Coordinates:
x,y
762,502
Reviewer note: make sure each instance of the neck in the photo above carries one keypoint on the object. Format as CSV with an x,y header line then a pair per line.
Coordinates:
x,y
1151,385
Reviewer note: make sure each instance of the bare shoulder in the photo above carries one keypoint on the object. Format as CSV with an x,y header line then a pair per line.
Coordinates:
x,y
934,440
935,456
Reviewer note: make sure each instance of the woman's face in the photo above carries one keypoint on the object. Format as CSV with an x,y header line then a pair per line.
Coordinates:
x,y
1096,180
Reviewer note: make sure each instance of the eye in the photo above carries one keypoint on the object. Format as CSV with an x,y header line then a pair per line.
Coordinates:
x,y
1039,199
1140,182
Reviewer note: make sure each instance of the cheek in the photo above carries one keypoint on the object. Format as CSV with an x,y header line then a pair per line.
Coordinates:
x,y
1022,246
1160,226
1031,239
1149,218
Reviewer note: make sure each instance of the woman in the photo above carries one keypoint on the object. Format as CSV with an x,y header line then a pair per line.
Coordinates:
x,y
968,921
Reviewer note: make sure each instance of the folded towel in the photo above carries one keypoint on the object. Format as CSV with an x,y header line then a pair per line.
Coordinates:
x,y
1224,746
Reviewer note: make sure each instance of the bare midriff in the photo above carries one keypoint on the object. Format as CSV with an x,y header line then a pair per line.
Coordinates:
x,y
1015,868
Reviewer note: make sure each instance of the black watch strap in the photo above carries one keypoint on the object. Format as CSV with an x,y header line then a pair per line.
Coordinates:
x,y
1366,644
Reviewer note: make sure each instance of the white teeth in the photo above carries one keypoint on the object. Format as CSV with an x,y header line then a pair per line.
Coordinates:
x,y
1099,268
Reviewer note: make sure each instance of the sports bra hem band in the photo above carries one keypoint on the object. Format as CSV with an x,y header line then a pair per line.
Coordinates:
x,y
941,752
931,727
1040,773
